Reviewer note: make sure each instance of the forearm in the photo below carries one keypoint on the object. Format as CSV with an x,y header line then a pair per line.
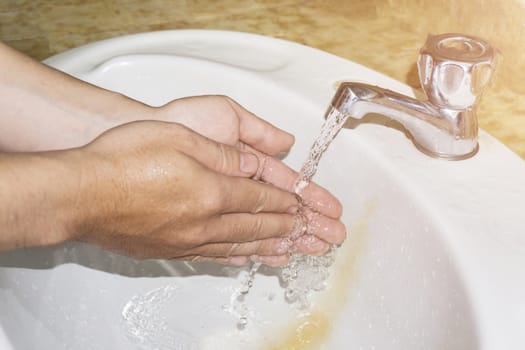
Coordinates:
x,y
39,193
42,108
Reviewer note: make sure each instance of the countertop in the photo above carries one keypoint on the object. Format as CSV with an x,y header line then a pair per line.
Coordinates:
x,y
384,35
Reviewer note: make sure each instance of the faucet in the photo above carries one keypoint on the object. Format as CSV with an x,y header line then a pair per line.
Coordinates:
x,y
453,71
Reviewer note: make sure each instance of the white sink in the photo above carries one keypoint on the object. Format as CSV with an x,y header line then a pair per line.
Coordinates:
x,y
435,257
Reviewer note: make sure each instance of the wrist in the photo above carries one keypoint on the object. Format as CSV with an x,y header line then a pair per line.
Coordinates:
x,y
38,198
111,110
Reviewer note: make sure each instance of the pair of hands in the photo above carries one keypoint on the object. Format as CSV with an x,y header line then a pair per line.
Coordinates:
x,y
202,182
199,181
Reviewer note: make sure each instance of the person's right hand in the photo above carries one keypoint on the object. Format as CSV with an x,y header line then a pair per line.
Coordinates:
x,y
159,190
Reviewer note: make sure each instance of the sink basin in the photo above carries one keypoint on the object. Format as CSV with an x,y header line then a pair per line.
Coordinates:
x,y
434,258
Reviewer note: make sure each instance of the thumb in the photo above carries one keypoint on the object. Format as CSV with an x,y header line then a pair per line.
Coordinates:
x,y
259,134
222,158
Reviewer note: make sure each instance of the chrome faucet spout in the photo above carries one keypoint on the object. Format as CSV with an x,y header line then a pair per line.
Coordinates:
x,y
453,70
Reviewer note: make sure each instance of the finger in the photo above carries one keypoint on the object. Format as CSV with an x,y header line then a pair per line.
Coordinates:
x,y
275,172
232,260
321,201
272,260
260,134
222,158
272,246
239,195
246,227
329,230
309,244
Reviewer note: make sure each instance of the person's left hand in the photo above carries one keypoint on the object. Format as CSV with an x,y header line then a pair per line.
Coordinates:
x,y
224,120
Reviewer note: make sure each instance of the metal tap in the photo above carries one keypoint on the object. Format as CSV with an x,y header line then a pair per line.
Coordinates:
x,y
453,71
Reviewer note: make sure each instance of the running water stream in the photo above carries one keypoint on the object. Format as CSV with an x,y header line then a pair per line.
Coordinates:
x,y
333,123
305,273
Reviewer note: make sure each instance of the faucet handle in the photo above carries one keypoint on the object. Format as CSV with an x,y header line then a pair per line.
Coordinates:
x,y
454,69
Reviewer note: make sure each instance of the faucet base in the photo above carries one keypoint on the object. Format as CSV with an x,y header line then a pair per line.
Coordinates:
x,y
446,156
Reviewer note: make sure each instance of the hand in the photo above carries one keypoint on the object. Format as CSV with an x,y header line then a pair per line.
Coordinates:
x,y
225,121
160,190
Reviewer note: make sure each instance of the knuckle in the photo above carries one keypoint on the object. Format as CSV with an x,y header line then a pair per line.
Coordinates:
x,y
223,159
213,198
262,198
236,231
257,227
191,239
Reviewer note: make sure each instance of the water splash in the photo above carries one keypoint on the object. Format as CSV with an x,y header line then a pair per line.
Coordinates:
x,y
306,274
239,306
145,326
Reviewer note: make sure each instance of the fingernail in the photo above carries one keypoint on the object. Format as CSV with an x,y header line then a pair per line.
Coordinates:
x,y
248,163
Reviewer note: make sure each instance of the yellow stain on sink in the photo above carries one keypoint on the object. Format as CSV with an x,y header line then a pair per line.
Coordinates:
x,y
309,334
311,331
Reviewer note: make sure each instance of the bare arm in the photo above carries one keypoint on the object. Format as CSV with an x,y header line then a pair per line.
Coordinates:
x,y
42,108
37,198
